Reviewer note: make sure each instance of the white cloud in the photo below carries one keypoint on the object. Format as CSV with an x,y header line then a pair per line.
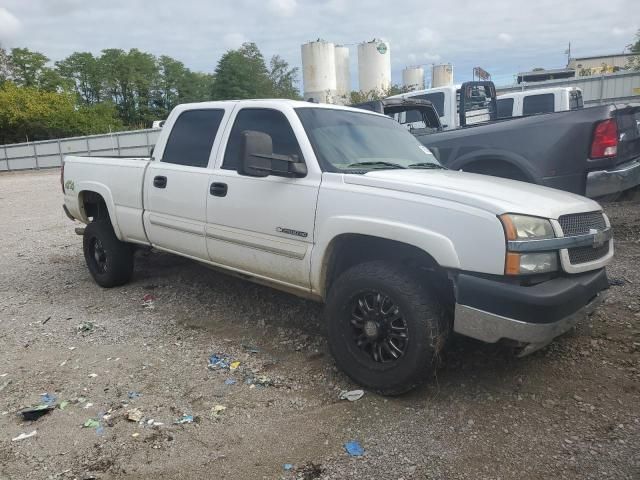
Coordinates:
x,y
621,32
285,8
427,37
233,40
505,38
9,24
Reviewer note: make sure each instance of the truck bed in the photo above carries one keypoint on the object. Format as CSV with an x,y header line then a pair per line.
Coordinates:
x,y
120,180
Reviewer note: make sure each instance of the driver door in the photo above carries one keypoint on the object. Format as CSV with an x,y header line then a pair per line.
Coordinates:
x,y
262,226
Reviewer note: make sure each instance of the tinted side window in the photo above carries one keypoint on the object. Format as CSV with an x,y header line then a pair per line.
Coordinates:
x,y
271,122
437,99
505,107
192,137
538,104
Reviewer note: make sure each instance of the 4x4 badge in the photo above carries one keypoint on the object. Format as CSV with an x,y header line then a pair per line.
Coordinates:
x,y
288,231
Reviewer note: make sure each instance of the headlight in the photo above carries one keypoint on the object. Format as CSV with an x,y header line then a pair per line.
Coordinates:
x,y
523,228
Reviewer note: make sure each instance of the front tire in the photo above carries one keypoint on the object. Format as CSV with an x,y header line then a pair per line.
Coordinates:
x,y
109,260
386,328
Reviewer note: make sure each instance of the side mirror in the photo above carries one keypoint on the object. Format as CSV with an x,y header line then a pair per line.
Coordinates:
x,y
258,159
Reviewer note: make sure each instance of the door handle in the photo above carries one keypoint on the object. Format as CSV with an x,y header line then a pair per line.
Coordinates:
x,y
218,189
160,182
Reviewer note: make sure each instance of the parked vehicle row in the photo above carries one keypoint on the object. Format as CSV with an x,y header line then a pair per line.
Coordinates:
x,y
346,207
593,151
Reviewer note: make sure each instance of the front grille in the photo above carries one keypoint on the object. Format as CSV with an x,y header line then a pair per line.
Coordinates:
x,y
587,254
581,224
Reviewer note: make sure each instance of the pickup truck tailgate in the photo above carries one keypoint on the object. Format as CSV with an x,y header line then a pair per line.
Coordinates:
x,y
628,120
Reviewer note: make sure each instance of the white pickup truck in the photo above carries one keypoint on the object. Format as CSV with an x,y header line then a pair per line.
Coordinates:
x,y
345,207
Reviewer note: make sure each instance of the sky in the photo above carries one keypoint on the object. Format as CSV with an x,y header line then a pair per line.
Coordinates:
x,y
501,36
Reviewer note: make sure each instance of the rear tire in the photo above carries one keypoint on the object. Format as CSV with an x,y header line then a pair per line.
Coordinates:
x,y
109,260
396,345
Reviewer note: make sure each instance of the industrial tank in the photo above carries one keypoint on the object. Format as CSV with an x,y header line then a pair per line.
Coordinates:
x,y
442,75
374,66
319,71
413,78
343,74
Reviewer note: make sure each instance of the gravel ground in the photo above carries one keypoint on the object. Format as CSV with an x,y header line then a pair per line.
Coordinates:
x,y
571,410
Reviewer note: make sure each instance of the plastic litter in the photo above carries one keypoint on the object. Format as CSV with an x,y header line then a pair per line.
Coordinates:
x,y
263,381
91,423
148,301
217,410
134,435
100,430
48,399
234,365
218,361
352,395
63,404
36,412
92,375
288,466
184,419
23,436
354,449
251,348
86,327
134,395
230,381
134,415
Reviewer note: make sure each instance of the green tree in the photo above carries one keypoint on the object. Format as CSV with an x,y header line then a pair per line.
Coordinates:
x,y
28,66
360,97
634,61
6,67
241,74
85,71
35,114
283,79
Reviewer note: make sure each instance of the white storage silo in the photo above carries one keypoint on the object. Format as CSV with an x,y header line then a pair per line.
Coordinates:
x,y
442,75
343,74
374,66
413,78
319,71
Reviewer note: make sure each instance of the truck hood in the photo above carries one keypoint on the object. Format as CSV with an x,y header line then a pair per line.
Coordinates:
x,y
493,194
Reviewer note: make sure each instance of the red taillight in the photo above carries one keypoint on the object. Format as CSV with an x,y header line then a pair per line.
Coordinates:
x,y
62,177
605,139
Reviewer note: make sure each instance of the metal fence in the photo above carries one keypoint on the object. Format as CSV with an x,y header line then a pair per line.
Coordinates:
x,y
49,153
619,87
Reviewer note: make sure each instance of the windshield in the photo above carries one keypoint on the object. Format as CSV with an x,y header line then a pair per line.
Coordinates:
x,y
354,142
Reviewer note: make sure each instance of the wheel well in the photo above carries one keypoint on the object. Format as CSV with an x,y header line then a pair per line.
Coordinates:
x,y
93,206
348,250
497,168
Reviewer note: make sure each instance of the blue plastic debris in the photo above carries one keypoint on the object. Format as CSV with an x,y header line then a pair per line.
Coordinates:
x,y
134,395
288,466
354,449
184,419
230,381
48,399
218,361
100,430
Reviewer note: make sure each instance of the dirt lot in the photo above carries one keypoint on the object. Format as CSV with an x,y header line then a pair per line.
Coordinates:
x,y
569,411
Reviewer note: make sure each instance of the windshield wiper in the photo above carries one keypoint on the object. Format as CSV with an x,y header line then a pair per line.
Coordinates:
x,y
426,165
373,164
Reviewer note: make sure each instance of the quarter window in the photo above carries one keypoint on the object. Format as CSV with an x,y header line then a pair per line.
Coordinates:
x,y
534,104
192,137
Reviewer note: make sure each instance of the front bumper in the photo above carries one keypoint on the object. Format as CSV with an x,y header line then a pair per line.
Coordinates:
x,y
618,179
490,310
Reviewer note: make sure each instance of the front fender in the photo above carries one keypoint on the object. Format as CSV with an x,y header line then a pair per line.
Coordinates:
x,y
104,191
434,244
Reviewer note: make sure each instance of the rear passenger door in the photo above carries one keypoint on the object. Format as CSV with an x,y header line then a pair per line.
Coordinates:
x,y
176,185
263,226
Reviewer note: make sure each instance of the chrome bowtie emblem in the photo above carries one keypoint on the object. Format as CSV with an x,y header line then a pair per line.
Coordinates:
x,y
598,237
